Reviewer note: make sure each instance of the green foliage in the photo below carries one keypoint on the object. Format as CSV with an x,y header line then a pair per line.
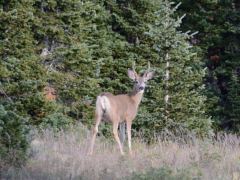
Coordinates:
x,y
218,25
56,121
164,173
186,106
23,75
13,138
82,48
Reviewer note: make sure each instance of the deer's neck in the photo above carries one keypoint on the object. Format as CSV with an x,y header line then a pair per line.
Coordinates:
x,y
136,97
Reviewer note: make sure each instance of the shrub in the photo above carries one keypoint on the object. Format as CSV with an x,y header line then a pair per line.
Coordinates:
x,y
56,121
13,138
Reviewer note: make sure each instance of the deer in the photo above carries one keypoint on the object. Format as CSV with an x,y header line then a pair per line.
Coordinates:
x,y
120,108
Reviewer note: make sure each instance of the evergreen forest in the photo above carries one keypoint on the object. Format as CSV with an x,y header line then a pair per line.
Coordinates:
x,y
57,56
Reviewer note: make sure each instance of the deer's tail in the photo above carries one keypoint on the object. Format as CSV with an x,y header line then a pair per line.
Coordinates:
x,y
102,104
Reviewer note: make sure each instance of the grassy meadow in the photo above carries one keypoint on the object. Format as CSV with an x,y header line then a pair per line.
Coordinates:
x,y
64,156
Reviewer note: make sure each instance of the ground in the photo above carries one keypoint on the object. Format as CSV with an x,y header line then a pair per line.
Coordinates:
x,y
64,156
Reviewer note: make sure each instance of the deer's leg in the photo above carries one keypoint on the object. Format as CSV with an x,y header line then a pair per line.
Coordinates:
x,y
122,132
129,127
115,133
98,117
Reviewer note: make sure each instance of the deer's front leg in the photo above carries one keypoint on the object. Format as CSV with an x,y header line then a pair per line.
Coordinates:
x,y
115,133
129,126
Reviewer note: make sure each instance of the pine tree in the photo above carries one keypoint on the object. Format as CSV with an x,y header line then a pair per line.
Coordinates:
x,y
218,26
181,85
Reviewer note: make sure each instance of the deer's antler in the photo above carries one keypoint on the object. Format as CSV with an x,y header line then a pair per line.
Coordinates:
x,y
133,68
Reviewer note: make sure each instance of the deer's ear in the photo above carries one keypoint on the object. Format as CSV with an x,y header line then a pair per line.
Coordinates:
x,y
148,75
132,74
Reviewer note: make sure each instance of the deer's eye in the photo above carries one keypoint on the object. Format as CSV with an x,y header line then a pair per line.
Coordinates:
x,y
135,81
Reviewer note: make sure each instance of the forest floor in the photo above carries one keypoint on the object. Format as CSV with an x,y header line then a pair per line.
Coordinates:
x,y
64,156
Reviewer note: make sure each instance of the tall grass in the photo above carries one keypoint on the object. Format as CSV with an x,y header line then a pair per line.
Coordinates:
x,y
63,156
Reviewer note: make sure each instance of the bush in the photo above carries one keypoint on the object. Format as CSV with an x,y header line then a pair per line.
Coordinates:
x,y
56,121
13,138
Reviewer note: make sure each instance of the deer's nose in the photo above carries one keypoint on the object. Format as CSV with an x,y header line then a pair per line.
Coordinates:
x,y
141,88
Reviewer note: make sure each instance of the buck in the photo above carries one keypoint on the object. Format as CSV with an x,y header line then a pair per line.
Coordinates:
x,y
120,108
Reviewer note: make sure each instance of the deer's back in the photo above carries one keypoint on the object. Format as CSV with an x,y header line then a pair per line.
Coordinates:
x,y
121,106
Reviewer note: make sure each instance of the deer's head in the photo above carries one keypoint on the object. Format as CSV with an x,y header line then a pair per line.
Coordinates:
x,y
140,81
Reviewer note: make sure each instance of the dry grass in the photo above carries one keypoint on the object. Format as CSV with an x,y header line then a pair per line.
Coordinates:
x,y
63,156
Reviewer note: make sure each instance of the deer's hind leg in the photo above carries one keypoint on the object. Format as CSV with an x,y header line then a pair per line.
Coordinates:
x,y
98,117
